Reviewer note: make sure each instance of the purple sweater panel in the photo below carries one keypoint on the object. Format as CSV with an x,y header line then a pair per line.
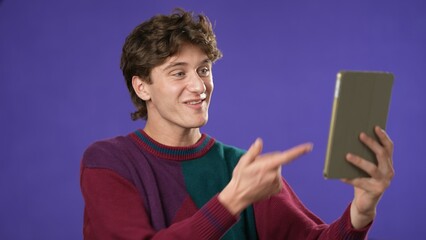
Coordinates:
x,y
147,172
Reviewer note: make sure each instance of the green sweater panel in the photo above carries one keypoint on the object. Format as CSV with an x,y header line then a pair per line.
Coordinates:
x,y
208,175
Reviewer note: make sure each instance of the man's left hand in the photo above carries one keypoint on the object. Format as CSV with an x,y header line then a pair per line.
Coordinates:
x,y
368,191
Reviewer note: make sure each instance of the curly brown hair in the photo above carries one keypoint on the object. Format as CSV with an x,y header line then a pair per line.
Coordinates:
x,y
153,41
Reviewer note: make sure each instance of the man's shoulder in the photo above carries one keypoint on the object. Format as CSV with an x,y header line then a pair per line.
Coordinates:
x,y
107,152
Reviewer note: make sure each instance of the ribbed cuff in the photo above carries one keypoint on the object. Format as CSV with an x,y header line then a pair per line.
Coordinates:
x,y
214,220
347,231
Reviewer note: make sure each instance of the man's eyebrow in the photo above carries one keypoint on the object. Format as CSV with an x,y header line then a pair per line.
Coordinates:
x,y
174,64
207,60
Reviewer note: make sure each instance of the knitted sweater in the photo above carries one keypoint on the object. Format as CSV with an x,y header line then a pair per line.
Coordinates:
x,y
137,188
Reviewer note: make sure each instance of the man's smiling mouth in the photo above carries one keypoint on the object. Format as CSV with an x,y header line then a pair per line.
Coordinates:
x,y
203,97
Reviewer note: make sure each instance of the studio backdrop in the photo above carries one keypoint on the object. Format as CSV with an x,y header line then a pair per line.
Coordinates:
x,y
62,89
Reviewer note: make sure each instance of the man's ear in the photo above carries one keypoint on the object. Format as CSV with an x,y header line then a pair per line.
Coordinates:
x,y
141,88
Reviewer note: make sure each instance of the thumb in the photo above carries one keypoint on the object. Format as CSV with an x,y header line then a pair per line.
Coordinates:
x,y
254,150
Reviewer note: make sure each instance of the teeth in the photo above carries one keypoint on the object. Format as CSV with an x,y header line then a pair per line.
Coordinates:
x,y
194,102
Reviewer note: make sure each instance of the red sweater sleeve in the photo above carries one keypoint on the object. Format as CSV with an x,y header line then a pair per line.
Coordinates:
x,y
284,216
114,210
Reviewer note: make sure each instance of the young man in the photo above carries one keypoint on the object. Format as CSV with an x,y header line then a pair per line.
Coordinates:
x,y
170,181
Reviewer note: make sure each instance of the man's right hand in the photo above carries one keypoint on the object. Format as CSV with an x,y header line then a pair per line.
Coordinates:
x,y
257,177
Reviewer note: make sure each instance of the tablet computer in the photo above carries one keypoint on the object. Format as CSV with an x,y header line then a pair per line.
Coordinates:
x,y
361,102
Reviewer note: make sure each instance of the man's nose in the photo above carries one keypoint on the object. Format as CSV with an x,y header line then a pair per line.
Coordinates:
x,y
196,84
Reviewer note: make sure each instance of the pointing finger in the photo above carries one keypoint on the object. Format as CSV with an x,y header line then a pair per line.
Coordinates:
x,y
291,154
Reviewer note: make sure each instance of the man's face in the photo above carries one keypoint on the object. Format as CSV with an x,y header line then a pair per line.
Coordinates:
x,y
181,90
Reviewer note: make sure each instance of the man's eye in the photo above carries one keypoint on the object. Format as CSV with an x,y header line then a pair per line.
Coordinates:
x,y
179,74
204,71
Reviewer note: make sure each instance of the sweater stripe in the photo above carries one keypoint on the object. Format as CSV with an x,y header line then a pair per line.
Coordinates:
x,y
173,153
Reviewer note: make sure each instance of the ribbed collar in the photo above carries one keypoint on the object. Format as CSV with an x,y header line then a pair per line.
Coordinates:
x,y
201,147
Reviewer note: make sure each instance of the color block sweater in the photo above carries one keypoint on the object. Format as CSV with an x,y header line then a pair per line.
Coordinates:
x,y
137,188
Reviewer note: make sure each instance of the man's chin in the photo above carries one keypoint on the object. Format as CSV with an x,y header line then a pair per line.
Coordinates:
x,y
199,124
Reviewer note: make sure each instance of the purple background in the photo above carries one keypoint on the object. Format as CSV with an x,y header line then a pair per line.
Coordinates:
x,y
61,89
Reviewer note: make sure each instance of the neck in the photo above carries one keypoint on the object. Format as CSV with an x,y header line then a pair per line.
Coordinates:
x,y
177,137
